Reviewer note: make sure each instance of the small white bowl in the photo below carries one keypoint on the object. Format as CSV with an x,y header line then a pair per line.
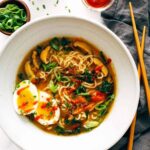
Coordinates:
x,y
98,9
28,136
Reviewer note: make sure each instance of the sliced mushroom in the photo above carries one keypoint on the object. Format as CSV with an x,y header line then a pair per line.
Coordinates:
x,y
44,55
28,70
35,60
99,63
83,46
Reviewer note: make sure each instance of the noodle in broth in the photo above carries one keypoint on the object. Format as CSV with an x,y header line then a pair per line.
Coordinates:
x,y
76,81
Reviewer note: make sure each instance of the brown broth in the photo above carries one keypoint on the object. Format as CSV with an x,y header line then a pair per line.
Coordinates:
x,y
41,85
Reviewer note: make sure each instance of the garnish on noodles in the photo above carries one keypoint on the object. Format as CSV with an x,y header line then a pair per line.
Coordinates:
x,y
66,86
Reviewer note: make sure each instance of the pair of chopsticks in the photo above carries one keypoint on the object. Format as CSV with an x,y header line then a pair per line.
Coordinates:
x,y
132,128
141,71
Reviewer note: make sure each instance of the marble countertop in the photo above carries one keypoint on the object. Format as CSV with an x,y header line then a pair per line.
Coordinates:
x,y
64,7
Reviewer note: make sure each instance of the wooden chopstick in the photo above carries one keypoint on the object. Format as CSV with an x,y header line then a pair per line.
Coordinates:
x,y
141,60
132,128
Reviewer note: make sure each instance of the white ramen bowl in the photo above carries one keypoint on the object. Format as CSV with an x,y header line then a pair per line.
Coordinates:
x,y
21,131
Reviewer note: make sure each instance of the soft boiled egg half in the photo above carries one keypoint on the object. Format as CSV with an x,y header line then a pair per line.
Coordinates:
x,y
25,98
47,112
28,100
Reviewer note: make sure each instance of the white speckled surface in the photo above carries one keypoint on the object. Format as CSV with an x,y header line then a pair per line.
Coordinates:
x,y
62,8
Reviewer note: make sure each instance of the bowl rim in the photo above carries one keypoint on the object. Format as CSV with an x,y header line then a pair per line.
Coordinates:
x,y
23,4
109,32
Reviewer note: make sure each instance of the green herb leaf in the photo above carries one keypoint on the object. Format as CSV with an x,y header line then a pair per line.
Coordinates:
x,y
102,108
71,84
88,97
21,76
12,17
55,44
102,57
111,97
67,122
68,49
44,7
48,104
18,86
51,113
65,78
53,87
80,90
87,76
59,130
84,94
68,105
91,124
106,87
74,121
39,49
48,67
60,77
76,131
64,41
31,116
57,1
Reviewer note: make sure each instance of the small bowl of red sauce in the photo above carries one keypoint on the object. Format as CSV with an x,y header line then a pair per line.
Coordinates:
x,y
99,5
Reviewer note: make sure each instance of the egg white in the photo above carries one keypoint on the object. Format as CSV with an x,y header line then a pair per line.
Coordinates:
x,y
33,91
43,96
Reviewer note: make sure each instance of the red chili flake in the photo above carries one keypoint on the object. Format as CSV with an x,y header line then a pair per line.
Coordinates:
x,y
19,91
78,100
28,110
96,52
48,99
72,70
34,81
70,90
98,96
109,61
93,78
34,103
38,117
98,68
55,108
76,82
84,105
75,126
23,105
43,106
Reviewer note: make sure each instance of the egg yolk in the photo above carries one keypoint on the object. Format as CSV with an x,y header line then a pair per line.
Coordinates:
x,y
26,100
44,111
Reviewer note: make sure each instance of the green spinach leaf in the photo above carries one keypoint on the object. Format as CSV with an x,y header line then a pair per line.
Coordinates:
x,y
106,87
80,89
21,76
102,57
64,41
55,43
59,130
87,76
39,49
48,67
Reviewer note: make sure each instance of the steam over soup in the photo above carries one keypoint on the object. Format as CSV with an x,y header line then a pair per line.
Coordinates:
x,y
65,86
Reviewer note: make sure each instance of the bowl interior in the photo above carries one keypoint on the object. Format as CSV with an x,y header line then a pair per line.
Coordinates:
x,y
23,132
